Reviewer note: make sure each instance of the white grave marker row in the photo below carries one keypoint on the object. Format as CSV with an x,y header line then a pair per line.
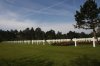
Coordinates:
x,y
54,41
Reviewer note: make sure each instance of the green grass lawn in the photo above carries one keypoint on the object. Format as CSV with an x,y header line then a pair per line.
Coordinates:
x,y
44,55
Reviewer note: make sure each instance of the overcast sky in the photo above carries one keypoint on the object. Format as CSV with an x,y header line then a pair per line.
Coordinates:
x,y
46,14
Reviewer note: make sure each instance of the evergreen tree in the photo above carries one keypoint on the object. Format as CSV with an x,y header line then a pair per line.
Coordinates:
x,y
26,34
59,35
50,34
32,33
38,33
72,35
88,16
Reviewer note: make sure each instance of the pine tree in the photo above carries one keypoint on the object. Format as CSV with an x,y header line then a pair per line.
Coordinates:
x,y
88,17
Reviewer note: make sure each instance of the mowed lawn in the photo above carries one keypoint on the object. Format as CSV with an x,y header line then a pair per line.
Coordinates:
x,y
43,55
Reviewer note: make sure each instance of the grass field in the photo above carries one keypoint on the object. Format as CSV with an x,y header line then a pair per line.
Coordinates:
x,y
44,55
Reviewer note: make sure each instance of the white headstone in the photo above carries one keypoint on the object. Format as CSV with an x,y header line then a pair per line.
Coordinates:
x,y
75,42
94,42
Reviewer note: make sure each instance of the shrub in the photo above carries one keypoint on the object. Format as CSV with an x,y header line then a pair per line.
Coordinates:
x,y
73,43
63,43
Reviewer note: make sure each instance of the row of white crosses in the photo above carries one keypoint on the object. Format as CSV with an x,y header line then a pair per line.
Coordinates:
x,y
28,42
39,41
57,40
86,39
54,41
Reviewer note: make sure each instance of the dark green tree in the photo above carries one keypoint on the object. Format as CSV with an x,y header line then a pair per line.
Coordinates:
x,y
88,17
20,35
59,35
50,34
83,35
32,33
71,35
26,34
38,34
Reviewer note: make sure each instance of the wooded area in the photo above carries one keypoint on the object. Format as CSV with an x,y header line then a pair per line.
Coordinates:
x,y
39,34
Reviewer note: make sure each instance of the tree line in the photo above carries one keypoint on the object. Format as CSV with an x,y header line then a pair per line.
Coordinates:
x,y
39,34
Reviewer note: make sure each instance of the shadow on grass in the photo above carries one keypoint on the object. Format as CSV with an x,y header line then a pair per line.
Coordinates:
x,y
25,62
84,61
79,61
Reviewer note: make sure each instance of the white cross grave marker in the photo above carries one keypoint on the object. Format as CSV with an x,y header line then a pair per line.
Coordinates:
x,y
94,42
75,41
